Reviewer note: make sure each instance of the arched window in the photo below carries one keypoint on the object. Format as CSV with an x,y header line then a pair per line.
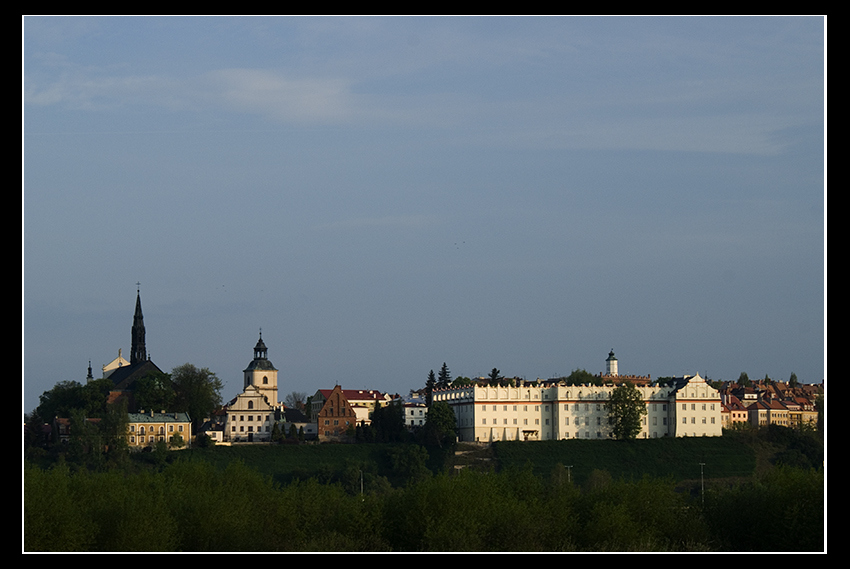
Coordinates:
x,y
265,380
250,404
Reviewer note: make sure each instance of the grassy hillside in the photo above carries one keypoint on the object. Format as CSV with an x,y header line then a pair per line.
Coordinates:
x,y
679,458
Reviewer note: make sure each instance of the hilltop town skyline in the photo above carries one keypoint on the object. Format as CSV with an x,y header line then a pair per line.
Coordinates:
x,y
382,195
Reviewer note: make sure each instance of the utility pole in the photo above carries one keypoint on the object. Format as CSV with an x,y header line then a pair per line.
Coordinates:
x,y
702,483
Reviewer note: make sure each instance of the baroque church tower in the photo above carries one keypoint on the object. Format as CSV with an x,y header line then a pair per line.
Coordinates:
x,y
261,373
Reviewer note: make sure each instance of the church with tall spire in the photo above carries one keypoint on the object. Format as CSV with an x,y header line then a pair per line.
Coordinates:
x,y
124,374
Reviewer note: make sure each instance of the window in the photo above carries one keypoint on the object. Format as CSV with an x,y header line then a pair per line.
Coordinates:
x,y
250,404
170,428
265,380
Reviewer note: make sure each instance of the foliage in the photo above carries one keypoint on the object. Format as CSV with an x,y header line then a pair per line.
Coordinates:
x,y
494,376
154,391
66,396
198,392
388,423
782,510
209,500
581,377
444,378
439,428
626,408
430,385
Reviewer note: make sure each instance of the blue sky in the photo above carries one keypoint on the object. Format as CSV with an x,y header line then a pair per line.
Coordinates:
x,y
382,195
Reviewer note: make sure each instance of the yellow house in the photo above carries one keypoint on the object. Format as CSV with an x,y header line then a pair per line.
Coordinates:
x,y
147,428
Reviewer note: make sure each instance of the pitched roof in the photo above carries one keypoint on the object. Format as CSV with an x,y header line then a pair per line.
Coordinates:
x,y
158,417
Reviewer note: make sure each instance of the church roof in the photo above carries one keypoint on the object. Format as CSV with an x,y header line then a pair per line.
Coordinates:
x,y
124,376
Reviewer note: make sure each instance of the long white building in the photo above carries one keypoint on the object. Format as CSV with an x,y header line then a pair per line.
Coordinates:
x,y
689,407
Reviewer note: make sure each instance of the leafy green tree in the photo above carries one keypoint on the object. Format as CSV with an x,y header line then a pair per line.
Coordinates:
x,y
440,426
66,396
744,379
155,391
462,381
793,381
626,408
388,423
580,377
198,392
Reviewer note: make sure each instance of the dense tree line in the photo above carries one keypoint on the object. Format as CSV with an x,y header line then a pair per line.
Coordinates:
x,y
192,506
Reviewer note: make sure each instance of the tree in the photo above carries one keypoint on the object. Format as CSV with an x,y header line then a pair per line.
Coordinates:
x,y
296,400
744,379
66,396
580,377
154,391
198,392
444,379
625,410
388,423
430,384
494,376
440,425
793,381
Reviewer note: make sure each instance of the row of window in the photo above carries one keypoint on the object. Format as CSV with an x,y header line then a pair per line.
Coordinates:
x,y
161,429
694,420
142,439
251,418
250,429
576,407
694,406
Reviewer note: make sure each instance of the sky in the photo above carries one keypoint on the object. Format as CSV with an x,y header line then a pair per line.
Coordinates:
x,y
380,195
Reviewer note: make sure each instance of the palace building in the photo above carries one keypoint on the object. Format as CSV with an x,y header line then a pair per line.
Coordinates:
x,y
552,411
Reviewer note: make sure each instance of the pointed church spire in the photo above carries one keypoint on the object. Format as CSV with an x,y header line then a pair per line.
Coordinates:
x,y
138,354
